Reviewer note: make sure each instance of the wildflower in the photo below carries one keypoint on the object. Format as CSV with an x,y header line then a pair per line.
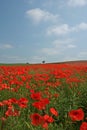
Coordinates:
x,y
36,96
53,111
1,104
83,126
12,112
22,102
36,119
48,118
76,115
3,118
41,104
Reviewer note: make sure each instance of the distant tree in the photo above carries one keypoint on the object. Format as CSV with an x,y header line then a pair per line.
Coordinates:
x,y
27,63
43,61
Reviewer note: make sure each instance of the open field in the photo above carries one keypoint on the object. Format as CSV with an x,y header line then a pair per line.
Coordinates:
x,y
64,62
43,96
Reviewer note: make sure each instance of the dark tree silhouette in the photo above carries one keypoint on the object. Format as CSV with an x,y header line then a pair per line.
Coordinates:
x,y
43,61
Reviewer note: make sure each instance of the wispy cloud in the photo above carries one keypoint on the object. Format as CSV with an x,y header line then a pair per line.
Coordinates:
x,y
76,3
70,58
12,59
6,46
50,51
38,15
37,59
58,30
82,54
81,26
59,46
64,29
56,4
71,46
78,56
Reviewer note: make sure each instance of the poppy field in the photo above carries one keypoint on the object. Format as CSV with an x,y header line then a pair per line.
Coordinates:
x,y
43,97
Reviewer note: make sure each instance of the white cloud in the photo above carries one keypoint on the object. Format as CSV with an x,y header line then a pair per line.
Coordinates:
x,y
75,3
64,44
82,54
64,29
64,41
37,59
12,59
6,46
71,46
70,58
79,56
50,51
59,30
38,15
59,46
82,26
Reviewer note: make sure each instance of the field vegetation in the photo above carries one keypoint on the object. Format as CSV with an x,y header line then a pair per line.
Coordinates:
x,y
43,97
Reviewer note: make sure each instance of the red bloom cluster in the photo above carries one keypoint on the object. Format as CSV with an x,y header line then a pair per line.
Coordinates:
x,y
41,104
12,112
22,102
38,87
37,120
36,96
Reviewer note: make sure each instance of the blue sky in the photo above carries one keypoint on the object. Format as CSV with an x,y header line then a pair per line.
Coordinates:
x,y
36,30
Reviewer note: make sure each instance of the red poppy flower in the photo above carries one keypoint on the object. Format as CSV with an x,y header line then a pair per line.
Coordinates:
x,y
31,90
36,96
22,102
41,104
45,101
36,119
76,115
7,102
13,100
12,112
1,104
45,126
48,118
53,111
83,126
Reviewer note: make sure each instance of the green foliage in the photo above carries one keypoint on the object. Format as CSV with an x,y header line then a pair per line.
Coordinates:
x,y
70,97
